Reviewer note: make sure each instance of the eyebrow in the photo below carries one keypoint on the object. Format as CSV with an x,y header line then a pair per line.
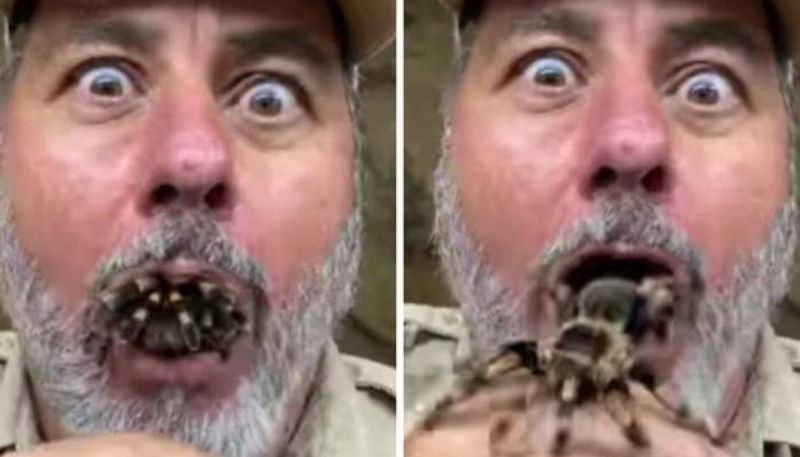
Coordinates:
x,y
561,21
125,34
255,45
718,33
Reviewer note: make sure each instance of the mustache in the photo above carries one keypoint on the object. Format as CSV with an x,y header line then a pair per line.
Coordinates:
x,y
631,219
190,235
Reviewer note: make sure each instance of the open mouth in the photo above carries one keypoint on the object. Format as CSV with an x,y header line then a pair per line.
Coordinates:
x,y
177,308
620,281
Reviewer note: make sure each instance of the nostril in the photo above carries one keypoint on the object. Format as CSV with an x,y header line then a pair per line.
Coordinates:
x,y
655,180
603,178
164,195
217,196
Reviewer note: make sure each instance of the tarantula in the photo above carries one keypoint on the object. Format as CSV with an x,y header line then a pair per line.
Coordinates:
x,y
152,313
592,357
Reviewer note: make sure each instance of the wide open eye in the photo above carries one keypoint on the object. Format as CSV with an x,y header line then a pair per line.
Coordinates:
x,y
708,91
106,84
270,101
550,73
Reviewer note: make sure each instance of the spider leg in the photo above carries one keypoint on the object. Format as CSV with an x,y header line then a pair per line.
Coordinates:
x,y
502,365
563,432
207,319
620,405
189,331
131,327
567,398
227,330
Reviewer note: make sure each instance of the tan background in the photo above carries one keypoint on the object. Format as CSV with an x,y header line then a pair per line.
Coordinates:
x,y
428,58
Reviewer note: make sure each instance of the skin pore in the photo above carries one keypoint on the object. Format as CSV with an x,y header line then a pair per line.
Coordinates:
x,y
656,123
205,132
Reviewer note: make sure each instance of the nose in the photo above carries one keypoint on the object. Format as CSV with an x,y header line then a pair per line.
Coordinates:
x,y
191,161
629,143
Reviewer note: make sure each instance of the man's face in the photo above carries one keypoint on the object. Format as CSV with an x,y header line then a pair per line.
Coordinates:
x,y
125,110
191,140
644,130
564,101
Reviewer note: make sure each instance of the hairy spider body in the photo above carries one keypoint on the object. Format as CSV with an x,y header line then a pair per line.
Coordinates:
x,y
173,319
592,358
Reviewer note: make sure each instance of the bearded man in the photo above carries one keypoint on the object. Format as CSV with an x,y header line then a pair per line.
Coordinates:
x,y
629,140
180,229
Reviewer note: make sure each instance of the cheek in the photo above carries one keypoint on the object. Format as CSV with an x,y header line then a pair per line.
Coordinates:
x,y
71,198
517,186
730,192
293,204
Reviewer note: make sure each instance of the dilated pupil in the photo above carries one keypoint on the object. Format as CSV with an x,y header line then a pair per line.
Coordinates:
x,y
108,86
266,103
704,94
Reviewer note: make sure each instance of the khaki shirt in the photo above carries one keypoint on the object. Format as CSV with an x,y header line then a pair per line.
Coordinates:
x,y
351,413
437,358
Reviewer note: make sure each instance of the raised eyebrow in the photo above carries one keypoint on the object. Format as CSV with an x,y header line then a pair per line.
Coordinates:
x,y
125,34
568,23
256,45
736,37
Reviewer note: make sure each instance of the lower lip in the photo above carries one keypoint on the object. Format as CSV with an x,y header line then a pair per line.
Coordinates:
x,y
205,377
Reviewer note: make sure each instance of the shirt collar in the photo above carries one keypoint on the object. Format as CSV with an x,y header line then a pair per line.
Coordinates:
x,y
777,401
329,426
18,427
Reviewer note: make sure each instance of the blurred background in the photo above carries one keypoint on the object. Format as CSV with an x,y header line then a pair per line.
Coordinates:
x,y
369,329
428,56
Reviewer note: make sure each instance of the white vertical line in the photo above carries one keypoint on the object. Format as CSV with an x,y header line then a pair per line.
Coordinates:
x,y
399,260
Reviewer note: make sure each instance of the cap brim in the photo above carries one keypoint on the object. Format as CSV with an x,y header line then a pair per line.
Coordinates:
x,y
372,24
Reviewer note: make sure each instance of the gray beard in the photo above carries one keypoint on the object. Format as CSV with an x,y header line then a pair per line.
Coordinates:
x,y
723,336
254,422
